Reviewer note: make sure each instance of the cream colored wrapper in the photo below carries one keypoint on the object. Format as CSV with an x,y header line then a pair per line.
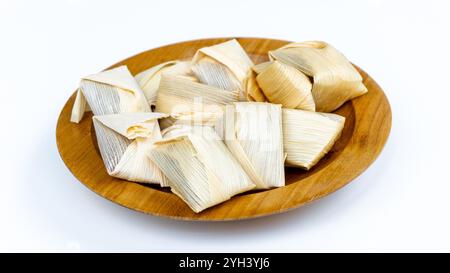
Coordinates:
x,y
253,134
308,136
285,85
190,161
112,91
149,79
178,96
335,80
225,65
124,140
254,92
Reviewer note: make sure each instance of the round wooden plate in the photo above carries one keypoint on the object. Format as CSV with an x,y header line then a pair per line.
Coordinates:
x,y
367,126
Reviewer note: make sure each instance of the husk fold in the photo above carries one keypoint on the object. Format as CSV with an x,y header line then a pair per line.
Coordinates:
x,y
190,161
335,80
308,136
253,134
225,65
149,79
285,85
112,91
178,96
124,140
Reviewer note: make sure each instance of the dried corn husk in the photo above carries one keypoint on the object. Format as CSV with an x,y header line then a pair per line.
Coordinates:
x,y
149,79
109,92
225,65
124,140
133,125
197,118
258,68
190,161
308,136
178,130
180,96
254,92
253,134
210,72
285,85
335,80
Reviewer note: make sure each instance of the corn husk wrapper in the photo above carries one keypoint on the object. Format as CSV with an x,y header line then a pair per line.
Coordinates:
x,y
308,136
178,130
178,96
253,134
124,124
189,120
109,92
259,68
149,79
254,92
210,72
124,140
335,80
225,65
190,161
285,85
197,118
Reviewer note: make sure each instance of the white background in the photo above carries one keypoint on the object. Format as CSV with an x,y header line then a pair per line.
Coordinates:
x,y
401,203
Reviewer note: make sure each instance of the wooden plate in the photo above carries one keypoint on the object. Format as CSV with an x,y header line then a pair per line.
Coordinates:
x,y
367,126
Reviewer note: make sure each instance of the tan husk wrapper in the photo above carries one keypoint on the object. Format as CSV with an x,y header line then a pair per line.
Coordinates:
x,y
124,140
253,134
254,92
177,96
285,85
259,68
112,91
231,69
308,136
335,80
150,78
209,71
190,161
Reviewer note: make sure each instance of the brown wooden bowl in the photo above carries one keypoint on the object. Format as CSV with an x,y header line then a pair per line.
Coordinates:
x,y
367,126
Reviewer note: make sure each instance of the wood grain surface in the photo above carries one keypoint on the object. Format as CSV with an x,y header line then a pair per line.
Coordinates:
x,y
367,127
